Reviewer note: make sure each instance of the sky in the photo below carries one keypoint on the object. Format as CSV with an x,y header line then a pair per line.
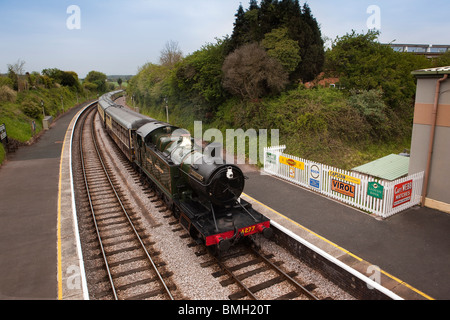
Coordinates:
x,y
117,37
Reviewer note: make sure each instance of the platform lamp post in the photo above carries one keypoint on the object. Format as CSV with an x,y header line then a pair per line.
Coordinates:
x,y
167,108
43,109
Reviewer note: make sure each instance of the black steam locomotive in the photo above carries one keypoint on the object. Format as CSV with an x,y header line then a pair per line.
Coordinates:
x,y
202,194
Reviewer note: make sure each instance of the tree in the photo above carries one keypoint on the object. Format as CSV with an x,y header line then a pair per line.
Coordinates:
x,y
443,60
18,67
308,35
250,73
149,85
64,78
362,63
240,28
15,72
198,78
170,54
53,73
13,77
255,23
70,79
96,80
281,47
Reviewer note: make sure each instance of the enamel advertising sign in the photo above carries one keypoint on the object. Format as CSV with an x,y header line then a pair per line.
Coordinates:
x,y
402,193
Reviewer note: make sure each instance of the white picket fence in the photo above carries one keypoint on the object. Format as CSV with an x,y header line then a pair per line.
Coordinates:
x,y
348,187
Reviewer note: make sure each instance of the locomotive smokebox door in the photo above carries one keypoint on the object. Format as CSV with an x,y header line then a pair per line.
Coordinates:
x,y
219,184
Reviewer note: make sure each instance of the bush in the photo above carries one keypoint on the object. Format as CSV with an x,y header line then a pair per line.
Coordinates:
x,y
31,109
371,107
7,94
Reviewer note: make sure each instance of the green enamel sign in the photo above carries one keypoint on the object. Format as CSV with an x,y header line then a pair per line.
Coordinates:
x,y
375,190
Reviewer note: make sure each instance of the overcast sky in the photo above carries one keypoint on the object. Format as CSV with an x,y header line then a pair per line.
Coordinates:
x,y
118,36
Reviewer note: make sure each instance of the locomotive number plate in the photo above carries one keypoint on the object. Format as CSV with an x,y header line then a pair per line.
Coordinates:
x,y
248,230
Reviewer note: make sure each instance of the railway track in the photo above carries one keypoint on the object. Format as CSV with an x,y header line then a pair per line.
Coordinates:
x,y
259,278
131,270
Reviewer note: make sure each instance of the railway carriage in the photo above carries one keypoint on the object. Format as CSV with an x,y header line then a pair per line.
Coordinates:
x,y
106,101
202,194
121,124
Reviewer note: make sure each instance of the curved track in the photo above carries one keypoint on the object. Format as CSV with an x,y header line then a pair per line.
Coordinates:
x,y
131,271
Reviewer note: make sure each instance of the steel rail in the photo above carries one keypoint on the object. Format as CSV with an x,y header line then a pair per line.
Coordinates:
x,y
285,275
235,278
149,258
251,250
92,207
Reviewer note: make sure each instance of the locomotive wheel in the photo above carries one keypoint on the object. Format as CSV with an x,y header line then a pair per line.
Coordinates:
x,y
176,212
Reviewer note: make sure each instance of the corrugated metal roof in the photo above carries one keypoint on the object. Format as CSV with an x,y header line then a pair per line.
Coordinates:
x,y
432,71
390,167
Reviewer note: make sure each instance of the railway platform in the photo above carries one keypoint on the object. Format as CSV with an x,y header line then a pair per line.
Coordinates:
x,y
411,249
39,246
29,203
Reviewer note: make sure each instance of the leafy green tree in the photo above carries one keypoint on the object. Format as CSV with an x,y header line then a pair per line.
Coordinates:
x,y
64,78
362,63
149,86
281,47
70,79
54,74
98,79
443,60
198,78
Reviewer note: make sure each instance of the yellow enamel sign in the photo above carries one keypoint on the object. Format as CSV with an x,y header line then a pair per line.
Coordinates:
x,y
293,163
344,177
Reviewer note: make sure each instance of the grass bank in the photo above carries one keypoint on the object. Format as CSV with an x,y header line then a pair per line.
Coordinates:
x,y
20,110
324,124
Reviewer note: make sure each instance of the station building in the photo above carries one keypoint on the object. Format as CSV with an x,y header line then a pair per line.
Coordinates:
x,y
430,145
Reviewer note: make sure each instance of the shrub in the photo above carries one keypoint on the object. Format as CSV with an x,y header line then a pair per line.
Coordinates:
x,y
371,106
31,109
7,94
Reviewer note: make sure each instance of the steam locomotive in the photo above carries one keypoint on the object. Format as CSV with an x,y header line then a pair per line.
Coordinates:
x,y
202,194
